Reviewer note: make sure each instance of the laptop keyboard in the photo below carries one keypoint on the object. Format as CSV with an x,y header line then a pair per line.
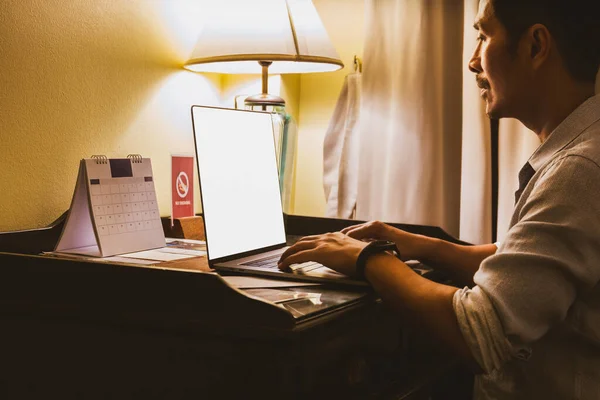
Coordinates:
x,y
271,262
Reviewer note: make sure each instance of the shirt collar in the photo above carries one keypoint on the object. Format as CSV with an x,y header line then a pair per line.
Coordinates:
x,y
569,129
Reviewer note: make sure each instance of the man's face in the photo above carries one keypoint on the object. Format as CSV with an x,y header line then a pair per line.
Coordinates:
x,y
499,73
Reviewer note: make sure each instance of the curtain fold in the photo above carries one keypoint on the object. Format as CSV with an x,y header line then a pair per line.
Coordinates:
x,y
476,178
341,150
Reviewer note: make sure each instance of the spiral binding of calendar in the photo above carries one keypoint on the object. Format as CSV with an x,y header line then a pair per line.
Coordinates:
x,y
100,159
135,158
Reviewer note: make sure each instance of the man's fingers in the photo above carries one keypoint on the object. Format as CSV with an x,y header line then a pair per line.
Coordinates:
x,y
308,238
359,232
298,246
295,258
350,228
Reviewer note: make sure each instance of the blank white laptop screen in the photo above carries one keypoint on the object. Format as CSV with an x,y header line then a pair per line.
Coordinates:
x,y
239,180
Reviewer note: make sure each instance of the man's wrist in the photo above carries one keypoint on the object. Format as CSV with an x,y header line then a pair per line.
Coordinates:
x,y
371,250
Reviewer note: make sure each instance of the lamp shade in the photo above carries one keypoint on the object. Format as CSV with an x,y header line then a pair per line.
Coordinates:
x,y
238,33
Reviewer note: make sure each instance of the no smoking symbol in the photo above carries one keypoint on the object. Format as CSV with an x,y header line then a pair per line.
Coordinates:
x,y
182,184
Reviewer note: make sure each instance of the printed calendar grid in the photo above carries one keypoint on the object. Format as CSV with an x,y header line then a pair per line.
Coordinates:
x,y
124,205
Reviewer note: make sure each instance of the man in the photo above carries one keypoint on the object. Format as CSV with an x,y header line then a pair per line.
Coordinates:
x,y
530,324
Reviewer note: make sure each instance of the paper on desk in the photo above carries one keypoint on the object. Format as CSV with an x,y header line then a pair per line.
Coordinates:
x,y
249,282
119,259
165,254
188,252
112,259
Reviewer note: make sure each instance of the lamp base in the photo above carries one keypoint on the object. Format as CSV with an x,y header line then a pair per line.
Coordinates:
x,y
264,100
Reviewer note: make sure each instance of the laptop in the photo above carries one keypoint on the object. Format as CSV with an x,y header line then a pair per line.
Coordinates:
x,y
241,201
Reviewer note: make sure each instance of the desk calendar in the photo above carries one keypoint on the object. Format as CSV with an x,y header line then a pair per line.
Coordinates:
x,y
114,209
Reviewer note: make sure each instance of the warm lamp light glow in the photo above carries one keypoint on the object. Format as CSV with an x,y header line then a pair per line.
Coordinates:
x,y
238,33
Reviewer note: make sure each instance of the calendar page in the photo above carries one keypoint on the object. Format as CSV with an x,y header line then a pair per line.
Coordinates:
x,y
114,209
124,206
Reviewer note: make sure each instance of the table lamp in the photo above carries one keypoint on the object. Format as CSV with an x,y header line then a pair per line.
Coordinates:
x,y
258,36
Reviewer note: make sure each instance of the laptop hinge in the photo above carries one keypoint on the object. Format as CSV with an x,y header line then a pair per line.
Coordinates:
x,y
244,254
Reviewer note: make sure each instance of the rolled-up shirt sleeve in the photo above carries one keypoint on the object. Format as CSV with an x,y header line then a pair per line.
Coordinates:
x,y
548,257
481,328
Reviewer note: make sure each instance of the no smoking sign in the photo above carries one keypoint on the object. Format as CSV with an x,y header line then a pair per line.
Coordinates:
x,y
182,189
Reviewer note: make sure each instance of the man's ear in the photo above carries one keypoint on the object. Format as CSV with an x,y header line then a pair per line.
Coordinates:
x,y
540,41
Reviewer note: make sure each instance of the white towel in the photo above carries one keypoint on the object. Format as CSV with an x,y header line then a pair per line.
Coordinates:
x,y
340,151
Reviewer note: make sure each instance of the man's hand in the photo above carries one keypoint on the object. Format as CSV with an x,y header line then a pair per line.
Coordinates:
x,y
411,246
334,250
414,297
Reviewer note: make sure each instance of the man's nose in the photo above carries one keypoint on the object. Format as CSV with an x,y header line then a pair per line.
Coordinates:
x,y
475,62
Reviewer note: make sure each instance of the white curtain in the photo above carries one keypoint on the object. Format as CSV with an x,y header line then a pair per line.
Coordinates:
x,y
341,151
476,172
411,128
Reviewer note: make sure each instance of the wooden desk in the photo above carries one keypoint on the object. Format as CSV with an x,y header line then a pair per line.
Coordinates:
x,y
74,329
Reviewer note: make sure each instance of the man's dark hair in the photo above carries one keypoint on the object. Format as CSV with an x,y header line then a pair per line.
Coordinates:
x,y
574,25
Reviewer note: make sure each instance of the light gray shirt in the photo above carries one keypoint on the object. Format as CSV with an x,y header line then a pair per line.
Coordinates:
x,y
533,319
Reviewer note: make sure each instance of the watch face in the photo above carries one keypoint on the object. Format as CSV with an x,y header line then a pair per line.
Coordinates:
x,y
386,245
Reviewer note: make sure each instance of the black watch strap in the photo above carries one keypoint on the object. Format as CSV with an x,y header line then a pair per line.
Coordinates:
x,y
374,247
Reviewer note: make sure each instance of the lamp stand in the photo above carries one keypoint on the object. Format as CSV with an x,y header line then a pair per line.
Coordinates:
x,y
264,99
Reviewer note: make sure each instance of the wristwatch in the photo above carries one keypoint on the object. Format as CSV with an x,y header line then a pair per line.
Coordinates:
x,y
374,247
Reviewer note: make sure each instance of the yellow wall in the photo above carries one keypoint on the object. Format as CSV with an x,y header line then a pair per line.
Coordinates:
x,y
344,21
85,77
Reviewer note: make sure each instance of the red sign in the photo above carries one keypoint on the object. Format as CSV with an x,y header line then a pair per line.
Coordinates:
x,y
182,186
